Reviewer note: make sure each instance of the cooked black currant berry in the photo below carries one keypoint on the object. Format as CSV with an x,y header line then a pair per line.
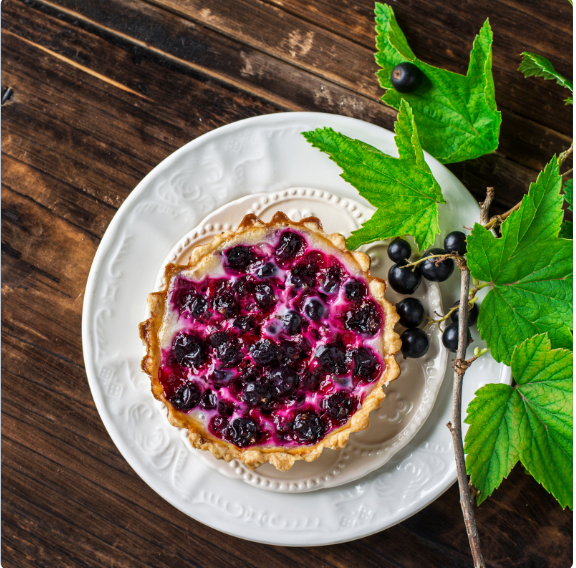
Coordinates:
x,y
189,350
266,271
243,323
307,427
455,242
289,246
332,279
209,400
354,290
404,279
292,322
472,314
264,295
406,77
310,381
411,312
225,304
364,318
243,432
338,406
436,272
283,381
450,337
227,348
186,398
239,257
399,250
414,343
198,306
264,352
366,365
314,309
304,273
221,378
256,393
226,408
218,425
332,358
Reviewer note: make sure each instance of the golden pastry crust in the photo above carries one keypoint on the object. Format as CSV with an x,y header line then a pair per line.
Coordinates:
x,y
201,260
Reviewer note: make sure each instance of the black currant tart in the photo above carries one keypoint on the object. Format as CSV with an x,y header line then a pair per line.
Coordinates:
x,y
273,343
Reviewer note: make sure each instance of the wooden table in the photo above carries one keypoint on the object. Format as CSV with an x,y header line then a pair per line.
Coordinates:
x,y
100,93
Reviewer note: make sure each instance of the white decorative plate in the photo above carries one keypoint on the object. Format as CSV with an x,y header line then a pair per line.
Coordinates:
x,y
408,401
266,154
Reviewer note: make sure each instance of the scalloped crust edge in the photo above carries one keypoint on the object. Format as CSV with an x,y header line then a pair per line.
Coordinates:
x,y
281,458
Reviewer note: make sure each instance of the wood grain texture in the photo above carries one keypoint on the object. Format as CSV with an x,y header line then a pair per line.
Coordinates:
x,y
101,93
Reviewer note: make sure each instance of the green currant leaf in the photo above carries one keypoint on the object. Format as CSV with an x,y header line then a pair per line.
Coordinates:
x,y
568,189
403,189
529,267
530,422
456,115
534,65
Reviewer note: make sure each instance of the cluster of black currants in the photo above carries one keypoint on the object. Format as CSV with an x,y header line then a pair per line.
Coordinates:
x,y
406,279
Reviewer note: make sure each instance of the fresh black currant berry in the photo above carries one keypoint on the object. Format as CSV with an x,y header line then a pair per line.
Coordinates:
x,y
436,272
189,350
455,242
266,271
292,322
332,358
399,250
366,365
403,279
186,397
414,343
354,290
364,318
264,295
243,432
289,246
450,337
406,77
307,427
264,352
239,257
472,314
209,400
338,406
283,381
411,312
314,309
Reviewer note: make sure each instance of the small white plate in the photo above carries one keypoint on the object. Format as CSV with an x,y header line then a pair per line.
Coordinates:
x,y
408,402
263,154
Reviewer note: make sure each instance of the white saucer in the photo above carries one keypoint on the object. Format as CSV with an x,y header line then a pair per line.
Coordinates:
x,y
263,154
408,401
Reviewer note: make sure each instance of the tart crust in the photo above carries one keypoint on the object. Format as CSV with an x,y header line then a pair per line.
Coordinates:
x,y
201,259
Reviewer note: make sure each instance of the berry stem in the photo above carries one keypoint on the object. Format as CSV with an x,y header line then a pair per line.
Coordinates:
x,y
568,172
455,426
485,206
440,257
562,157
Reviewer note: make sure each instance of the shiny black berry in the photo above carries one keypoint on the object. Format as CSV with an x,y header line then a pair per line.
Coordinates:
x,y
399,250
264,352
186,398
332,279
226,408
411,312
364,318
239,257
289,246
227,348
189,350
455,242
292,322
414,343
243,323
244,432
307,427
305,272
283,381
225,304
256,393
366,365
450,337
209,400
338,406
221,378
198,306
406,77
472,314
436,272
403,279
332,358
264,295
314,309
354,290
266,271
